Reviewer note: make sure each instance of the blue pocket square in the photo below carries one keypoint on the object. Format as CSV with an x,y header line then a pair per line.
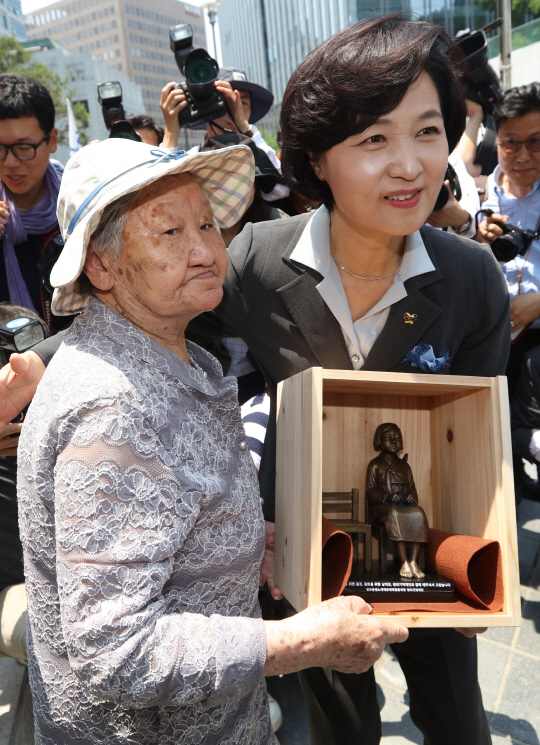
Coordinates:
x,y
423,357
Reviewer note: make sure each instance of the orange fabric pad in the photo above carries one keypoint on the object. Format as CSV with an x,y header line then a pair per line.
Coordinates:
x,y
473,564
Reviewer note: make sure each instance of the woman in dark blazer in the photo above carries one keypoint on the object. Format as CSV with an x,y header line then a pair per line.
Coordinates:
x,y
367,122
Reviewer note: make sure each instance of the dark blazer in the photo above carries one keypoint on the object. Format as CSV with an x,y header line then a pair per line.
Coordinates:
x,y
274,306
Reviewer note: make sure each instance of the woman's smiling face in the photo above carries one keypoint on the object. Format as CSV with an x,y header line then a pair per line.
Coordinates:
x,y
385,180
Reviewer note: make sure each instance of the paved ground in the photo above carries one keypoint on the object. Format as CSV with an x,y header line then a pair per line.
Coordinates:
x,y
509,671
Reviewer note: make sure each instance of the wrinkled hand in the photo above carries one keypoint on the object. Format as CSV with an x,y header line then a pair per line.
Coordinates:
x,y
234,103
4,215
267,566
343,637
396,498
490,229
470,633
172,101
410,499
525,309
452,214
18,382
9,439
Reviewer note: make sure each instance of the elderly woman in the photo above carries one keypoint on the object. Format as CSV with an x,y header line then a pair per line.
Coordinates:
x,y
140,511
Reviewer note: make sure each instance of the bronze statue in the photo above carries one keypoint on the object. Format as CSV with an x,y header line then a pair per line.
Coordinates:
x,y
393,500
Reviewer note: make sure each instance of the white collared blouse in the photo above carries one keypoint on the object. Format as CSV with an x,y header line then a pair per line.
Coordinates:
x,y
313,250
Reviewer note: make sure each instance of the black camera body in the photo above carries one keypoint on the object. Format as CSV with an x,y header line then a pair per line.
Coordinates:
x,y
200,70
480,79
455,187
514,242
114,116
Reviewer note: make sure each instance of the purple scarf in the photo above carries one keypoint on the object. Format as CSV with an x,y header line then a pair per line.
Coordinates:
x,y
40,218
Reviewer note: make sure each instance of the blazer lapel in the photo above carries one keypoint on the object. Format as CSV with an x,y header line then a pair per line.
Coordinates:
x,y
397,337
315,321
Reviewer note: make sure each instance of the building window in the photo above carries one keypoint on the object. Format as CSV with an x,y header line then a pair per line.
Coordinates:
x,y
116,38
118,53
119,66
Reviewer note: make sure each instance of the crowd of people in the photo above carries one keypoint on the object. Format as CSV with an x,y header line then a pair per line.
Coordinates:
x,y
149,292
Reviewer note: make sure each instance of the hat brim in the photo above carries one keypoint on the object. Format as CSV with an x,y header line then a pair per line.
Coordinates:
x,y
225,175
261,98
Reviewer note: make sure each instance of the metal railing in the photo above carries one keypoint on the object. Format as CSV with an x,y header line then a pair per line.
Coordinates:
x,y
522,36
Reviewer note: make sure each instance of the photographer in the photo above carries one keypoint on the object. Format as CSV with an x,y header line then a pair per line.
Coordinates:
x,y
28,193
514,196
247,102
147,129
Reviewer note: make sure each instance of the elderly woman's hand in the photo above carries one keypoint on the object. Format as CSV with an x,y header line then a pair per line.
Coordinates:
x,y
338,634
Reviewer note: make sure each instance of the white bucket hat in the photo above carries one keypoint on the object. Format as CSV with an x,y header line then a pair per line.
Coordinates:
x,y
99,174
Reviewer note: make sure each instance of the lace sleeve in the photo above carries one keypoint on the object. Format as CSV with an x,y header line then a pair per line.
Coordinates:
x,y
122,518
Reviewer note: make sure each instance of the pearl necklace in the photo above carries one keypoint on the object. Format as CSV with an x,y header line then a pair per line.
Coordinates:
x,y
368,279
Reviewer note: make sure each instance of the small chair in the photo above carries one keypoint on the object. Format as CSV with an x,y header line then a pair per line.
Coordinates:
x,y
341,501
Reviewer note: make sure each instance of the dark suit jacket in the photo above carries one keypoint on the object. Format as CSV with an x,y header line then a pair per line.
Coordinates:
x,y
273,304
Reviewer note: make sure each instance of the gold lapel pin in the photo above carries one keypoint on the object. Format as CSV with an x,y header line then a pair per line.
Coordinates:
x,y
410,317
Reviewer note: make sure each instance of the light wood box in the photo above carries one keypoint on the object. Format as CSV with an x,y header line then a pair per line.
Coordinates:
x,y
456,430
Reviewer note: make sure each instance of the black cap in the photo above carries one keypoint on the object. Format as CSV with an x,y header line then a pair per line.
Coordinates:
x,y
261,98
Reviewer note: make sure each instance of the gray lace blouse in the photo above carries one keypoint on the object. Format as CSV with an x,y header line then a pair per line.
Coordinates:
x,y
143,536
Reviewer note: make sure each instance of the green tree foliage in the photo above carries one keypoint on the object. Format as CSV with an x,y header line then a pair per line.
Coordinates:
x,y
15,59
270,140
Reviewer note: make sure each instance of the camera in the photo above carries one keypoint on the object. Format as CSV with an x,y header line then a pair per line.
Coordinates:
x,y
110,99
200,70
480,79
18,335
455,188
514,241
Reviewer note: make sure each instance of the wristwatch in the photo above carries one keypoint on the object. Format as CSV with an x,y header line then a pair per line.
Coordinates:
x,y
463,228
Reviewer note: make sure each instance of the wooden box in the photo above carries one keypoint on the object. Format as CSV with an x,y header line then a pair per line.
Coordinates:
x,y
456,430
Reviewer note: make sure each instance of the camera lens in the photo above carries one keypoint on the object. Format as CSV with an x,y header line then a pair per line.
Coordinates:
x,y
200,71
508,246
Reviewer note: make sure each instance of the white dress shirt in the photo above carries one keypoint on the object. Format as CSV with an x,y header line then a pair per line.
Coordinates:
x,y
313,250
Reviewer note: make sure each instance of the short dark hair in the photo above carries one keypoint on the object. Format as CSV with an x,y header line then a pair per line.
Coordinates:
x,y
379,432
143,121
22,96
519,101
357,76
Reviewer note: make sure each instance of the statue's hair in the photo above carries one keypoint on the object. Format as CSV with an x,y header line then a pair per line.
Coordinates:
x,y
379,432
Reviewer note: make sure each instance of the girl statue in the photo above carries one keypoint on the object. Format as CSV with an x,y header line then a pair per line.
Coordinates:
x,y
393,500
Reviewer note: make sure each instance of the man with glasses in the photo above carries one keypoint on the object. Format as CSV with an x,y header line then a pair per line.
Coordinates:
x,y
28,193
514,196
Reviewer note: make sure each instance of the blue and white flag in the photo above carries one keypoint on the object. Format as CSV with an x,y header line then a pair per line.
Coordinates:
x,y
74,139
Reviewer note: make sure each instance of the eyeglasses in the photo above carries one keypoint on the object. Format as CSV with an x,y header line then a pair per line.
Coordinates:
x,y
511,145
23,150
